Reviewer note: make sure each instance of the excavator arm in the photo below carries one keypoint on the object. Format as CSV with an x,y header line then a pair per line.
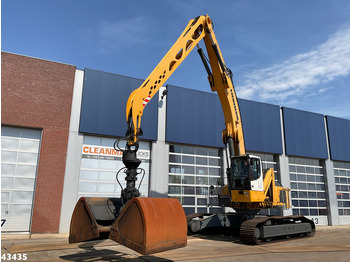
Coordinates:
x,y
219,76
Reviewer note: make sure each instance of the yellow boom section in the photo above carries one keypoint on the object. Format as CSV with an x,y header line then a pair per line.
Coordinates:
x,y
220,81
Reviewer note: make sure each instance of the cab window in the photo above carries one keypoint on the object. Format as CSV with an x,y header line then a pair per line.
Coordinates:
x,y
255,169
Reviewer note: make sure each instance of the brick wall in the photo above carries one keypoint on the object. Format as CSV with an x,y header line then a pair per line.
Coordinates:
x,y
38,94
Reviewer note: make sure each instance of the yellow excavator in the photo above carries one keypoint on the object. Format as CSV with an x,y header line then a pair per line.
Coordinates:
x,y
150,225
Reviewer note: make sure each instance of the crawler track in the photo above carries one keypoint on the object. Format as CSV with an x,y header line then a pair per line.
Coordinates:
x,y
259,229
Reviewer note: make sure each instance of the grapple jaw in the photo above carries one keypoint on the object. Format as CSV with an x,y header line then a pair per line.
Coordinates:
x,y
151,225
146,225
92,218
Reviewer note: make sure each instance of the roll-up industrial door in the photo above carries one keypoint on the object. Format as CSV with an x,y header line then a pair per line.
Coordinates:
x,y
308,190
100,164
19,159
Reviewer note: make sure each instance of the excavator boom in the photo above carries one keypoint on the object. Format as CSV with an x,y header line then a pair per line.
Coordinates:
x,y
219,77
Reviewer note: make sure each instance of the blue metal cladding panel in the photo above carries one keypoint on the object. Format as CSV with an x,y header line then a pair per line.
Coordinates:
x,y
305,134
194,117
339,138
261,126
103,105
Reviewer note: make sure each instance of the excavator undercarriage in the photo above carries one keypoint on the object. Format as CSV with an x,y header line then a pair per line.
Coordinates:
x,y
252,229
263,229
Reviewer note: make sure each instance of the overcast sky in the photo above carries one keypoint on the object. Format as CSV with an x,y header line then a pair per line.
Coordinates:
x,y
289,53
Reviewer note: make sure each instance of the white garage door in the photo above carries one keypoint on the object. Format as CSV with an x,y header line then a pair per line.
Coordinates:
x,y
308,190
19,160
192,170
100,163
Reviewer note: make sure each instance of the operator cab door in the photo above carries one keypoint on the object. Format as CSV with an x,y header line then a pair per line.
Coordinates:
x,y
246,173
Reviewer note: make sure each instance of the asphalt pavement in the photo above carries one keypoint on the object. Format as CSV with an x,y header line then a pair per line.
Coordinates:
x,y
328,244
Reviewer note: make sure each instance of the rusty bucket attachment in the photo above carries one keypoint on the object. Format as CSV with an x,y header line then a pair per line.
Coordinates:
x,y
150,225
92,218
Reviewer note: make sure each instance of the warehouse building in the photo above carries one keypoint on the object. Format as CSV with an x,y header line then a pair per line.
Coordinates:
x,y
59,125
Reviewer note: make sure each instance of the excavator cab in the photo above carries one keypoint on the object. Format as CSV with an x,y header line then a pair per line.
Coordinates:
x,y
246,173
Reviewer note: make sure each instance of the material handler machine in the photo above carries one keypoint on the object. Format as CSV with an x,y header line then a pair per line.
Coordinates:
x,y
150,225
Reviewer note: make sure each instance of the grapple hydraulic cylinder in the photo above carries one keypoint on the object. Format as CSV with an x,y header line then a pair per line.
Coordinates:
x,y
131,163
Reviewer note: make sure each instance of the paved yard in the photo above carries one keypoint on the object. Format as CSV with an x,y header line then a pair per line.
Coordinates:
x,y
329,244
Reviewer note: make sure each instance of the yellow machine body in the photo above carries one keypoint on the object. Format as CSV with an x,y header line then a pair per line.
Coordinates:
x,y
271,196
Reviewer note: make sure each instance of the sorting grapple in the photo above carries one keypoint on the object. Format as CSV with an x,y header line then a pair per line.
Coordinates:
x,y
146,225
